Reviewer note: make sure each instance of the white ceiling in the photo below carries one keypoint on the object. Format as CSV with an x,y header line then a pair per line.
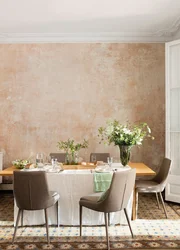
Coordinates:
x,y
93,20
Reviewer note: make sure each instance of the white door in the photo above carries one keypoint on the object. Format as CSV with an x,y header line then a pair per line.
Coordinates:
x,y
172,192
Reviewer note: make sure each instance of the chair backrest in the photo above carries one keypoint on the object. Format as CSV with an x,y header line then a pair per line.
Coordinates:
x,y
99,157
31,190
61,157
162,175
120,190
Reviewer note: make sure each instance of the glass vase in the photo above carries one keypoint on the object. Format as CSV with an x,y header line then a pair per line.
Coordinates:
x,y
74,158
67,159
125,151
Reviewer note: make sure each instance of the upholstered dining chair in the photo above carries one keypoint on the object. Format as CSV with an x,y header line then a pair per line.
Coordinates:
x,y
114,199
155,185
99,157
61,157
31,193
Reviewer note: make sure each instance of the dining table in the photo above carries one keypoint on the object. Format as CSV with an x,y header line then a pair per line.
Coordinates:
x,y
76,181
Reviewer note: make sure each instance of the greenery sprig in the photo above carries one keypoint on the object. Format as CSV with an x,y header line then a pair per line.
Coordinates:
x,y
70,146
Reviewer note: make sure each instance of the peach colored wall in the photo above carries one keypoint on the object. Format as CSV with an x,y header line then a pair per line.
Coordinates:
x,y
52,92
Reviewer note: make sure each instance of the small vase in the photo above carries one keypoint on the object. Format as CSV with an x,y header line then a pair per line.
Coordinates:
x,y
125,154
74,158
67,158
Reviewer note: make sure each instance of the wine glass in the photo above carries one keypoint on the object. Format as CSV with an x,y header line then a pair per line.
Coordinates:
x,y
93,158
110,161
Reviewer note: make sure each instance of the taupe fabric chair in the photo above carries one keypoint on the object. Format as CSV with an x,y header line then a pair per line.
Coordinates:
x,y
99,157
61,157
31,193
155,185
114,199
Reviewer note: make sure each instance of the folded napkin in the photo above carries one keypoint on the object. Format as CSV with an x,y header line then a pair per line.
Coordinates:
x,y
102,181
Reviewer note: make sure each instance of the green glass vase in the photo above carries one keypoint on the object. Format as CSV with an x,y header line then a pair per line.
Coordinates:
x,y
125,151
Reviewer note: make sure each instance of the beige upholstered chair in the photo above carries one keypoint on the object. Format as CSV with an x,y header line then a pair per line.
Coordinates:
x,y
155,185
31,193
61,157
114,199
99,157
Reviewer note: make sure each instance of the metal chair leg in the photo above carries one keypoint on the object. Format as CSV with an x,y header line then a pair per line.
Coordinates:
x,y
22,215
16,226
136,197
107,236
129,224
157,198
163,204
47,226
57,210
109,219
80,219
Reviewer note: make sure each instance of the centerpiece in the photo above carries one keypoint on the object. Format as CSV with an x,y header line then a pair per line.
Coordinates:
x,y
72,149
20,164
124,136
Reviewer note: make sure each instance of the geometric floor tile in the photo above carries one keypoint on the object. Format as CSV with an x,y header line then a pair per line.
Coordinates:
x,y
151,230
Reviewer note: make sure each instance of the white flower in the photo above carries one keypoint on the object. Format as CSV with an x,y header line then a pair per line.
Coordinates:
x,y
127,131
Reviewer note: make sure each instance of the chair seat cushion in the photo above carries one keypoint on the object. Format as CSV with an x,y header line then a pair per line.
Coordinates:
x,y
91,201
147,186
92,197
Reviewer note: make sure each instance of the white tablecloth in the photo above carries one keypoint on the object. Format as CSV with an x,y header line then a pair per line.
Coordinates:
x,y
72,185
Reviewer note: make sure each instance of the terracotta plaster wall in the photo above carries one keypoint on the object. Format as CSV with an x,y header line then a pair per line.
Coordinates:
x,y
52,92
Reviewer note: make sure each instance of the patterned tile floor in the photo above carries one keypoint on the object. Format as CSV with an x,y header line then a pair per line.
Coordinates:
x,y
151,230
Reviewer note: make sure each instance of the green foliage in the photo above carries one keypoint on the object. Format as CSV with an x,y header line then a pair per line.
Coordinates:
x,y
128,134
70,146
20,163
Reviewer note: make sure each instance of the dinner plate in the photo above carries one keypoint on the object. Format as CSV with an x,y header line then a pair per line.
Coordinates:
x,y
102,170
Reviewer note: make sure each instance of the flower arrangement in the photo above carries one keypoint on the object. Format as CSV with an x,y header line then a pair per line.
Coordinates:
x,y
71,149
20,164
124,136
128,134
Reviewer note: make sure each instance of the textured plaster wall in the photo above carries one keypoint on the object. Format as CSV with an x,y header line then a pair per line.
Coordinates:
x,y
52,92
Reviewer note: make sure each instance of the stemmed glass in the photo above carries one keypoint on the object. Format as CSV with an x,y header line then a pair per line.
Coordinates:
x,y
93,159
110,161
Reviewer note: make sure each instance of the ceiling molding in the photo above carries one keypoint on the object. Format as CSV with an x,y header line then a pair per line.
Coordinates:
x,y
171,31
110,37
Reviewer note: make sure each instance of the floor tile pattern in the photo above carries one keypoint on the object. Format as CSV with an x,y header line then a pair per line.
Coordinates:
x,y
151,230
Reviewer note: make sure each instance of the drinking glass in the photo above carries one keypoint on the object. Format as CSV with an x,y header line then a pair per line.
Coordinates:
x,y
54,163
93,158
110,161
40,160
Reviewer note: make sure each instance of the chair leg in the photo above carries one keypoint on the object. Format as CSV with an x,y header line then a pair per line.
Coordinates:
x,y
128,220
16,226
22,215
57,210
163,204
107,236
109,219
47,226
80,219
136,195
157,198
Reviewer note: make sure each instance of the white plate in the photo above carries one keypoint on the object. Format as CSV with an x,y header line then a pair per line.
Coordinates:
x,y
102,171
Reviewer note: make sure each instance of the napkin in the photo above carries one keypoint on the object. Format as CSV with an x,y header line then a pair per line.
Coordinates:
x,y
102,181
